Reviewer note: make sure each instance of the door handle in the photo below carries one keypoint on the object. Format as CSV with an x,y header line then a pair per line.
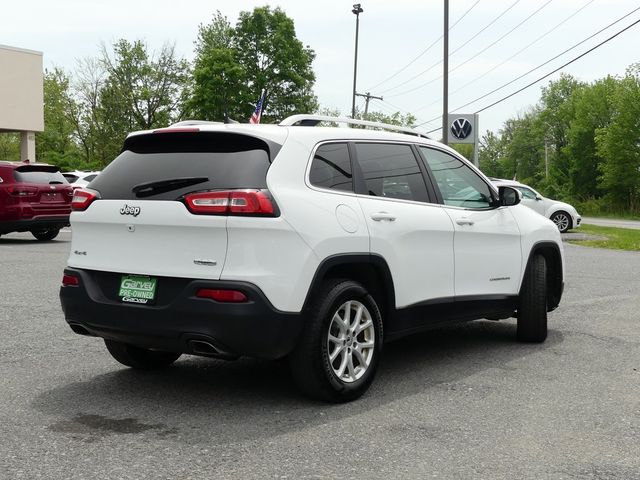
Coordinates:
x,y
379,216
464,221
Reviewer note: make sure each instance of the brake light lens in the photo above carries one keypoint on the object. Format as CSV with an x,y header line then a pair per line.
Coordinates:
x,y
177,130
70,280
225,296
230,202
82,198
23,191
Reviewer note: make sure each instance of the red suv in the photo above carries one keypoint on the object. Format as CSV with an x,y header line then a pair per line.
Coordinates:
x,y
34,197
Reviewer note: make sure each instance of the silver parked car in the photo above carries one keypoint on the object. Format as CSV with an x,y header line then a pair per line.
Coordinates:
x,y
565,216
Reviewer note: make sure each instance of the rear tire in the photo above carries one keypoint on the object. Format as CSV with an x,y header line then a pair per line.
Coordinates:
x,y
46,234
532,310
339,350
140,358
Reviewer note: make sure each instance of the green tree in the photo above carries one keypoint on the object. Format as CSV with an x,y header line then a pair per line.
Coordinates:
x,y
397,118
593,111
10,146
619,144
233,65
125,89
217,74
491,156
57,144
557,110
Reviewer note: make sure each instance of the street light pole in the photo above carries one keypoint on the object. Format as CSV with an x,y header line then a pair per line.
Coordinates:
x,y
357,10
445,77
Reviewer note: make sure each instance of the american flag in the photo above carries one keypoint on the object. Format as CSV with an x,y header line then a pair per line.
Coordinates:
x,y
255,118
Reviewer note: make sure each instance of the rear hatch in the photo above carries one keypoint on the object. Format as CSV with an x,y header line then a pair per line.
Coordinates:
x,y
155,211
41,190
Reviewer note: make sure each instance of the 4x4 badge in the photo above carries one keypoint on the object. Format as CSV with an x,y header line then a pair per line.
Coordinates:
x,y
127,210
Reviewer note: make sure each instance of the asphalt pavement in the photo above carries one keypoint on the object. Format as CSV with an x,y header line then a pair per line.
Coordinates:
x,y
464,402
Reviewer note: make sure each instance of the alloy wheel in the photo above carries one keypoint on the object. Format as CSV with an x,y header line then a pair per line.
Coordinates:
x,y
351,341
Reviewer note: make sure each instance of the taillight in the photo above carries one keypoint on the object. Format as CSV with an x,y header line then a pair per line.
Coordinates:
x,y
22,191
70,280
220,295
230,202
82,198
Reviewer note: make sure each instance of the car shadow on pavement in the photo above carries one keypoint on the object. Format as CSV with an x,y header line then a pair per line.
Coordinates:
x,y
209,401
31,241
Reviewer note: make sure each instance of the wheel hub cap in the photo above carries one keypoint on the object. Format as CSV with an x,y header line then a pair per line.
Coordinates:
x,y
351,341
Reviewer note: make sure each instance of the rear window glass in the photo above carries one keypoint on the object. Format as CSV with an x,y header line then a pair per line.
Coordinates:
x,y
41,175
166,166
89,178
70,177
331,167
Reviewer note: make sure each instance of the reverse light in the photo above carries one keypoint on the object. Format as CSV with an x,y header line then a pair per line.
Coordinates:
x,y
82,198
230,202
221,295
70,280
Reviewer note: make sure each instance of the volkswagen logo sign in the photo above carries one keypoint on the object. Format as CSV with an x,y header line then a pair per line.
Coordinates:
x,y
461,128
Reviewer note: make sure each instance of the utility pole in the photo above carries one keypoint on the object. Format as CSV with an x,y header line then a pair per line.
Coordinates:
x,y
357,10
367,97
445,77
546,159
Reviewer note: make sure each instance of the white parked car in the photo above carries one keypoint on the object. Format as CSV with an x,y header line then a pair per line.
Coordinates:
x,y
294,240
80,178
565,216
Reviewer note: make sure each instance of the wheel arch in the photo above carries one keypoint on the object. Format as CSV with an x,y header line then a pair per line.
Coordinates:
x,y
372,271
555,281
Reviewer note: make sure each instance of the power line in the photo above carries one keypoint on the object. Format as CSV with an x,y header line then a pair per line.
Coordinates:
x,y
518,52
457,49
467,60
548,74
425,50
557,69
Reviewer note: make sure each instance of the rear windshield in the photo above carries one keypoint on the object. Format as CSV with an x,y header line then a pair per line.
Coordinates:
x,y
166,166
38,174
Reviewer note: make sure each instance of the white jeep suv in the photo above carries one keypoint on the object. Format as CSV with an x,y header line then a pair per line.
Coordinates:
x,y
314,243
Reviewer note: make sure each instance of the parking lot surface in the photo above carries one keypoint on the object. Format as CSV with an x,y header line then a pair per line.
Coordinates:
x,y
461,402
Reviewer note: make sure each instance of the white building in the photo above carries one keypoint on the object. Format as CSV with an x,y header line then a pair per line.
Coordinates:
x,y
21,96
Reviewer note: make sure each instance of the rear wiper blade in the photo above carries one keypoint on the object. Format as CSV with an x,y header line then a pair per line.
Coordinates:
x,y
162,186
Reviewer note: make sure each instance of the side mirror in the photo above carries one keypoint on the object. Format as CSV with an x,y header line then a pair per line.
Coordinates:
x,y
509,196
538,198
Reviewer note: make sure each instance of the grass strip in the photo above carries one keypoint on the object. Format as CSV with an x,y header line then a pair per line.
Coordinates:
x,y
617,238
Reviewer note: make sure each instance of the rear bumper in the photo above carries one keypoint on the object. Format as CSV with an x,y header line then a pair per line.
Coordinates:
x,y
179,319
35,223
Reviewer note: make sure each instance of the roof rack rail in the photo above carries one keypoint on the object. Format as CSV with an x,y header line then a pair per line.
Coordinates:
x,y
186,123
313,120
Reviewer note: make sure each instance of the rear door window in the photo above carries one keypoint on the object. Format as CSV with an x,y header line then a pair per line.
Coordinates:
x,y
166,166
391,171
331,167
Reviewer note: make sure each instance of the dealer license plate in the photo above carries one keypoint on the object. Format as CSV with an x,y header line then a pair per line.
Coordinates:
x,y
137,289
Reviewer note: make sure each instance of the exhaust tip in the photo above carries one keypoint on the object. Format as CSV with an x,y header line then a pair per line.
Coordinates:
x,y
80,330
207,349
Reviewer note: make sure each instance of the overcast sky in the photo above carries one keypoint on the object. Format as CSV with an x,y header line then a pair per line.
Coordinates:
x,y
392,34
